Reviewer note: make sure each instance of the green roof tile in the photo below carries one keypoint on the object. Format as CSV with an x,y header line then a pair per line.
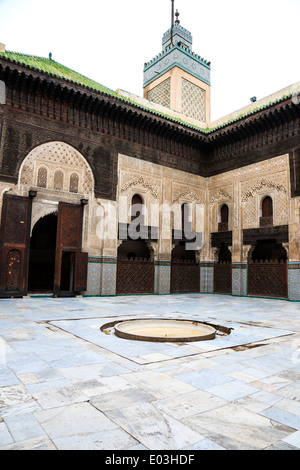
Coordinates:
x,y
55,69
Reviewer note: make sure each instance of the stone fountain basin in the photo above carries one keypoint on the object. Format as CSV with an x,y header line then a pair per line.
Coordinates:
x,y
164,330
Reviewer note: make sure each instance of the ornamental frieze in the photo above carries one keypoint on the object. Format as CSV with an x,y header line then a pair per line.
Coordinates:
x,y
191,194
140,180
263,183
221,194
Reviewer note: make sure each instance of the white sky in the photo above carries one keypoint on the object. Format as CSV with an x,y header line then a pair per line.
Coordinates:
x,y
253,45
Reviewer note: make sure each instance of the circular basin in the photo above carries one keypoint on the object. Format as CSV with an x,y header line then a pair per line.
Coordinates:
x,y
164,330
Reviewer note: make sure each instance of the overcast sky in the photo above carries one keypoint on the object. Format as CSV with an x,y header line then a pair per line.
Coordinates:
x,y
253,45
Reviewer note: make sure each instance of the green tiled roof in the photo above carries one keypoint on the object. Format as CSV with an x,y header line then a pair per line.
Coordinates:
x,y
55,69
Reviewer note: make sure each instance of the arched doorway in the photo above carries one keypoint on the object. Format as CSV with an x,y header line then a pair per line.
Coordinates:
x,y
185,270
42,255
135,268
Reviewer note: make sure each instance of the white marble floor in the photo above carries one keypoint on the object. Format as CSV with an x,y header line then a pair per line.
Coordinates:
x,y
64,384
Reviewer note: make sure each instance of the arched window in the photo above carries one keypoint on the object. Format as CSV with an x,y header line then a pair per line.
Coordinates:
x,y
224,215
266,212
42,177
267,207
74,181
137,208
58,180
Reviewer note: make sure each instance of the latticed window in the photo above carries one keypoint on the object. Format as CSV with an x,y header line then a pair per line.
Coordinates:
x,y
42,178
193,101
74,182
58,180
161,93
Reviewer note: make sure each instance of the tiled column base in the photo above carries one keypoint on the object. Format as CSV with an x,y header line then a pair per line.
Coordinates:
x,y
239,279
294,281
102,274
162,275
206,277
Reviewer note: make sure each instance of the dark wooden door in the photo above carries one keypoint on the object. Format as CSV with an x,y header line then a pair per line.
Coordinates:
x,y
185,276
135,276
14,244
70,262
222,277
267,279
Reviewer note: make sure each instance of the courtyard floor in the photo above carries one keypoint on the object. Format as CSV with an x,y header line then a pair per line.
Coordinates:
x,y
65,384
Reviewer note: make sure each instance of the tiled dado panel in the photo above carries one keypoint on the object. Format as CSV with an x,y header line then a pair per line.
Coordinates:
x,y
206,277
102,276
239,279
162,277
294,281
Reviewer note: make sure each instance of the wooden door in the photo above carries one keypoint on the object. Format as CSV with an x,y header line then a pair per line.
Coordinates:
x,y
14,245
70,262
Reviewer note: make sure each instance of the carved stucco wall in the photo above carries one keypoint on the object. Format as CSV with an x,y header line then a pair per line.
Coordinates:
x,y
243,191
160,186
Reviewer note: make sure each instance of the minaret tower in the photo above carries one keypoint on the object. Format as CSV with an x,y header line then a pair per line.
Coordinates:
x,y
177,77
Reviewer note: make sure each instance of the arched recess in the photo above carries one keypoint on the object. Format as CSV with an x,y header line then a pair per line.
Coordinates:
x,y
223,218
54,195
137,209
57,156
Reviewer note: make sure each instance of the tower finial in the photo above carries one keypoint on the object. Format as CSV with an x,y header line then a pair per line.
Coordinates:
x,y
177,17
172,13
172,21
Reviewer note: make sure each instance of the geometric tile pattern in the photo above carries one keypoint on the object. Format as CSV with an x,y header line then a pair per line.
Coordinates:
x,y
94,279
239,281
109,278
193,101
206,279
294,284
162,279
161,93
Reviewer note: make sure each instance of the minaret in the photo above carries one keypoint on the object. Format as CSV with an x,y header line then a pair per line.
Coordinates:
x,y
177,77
